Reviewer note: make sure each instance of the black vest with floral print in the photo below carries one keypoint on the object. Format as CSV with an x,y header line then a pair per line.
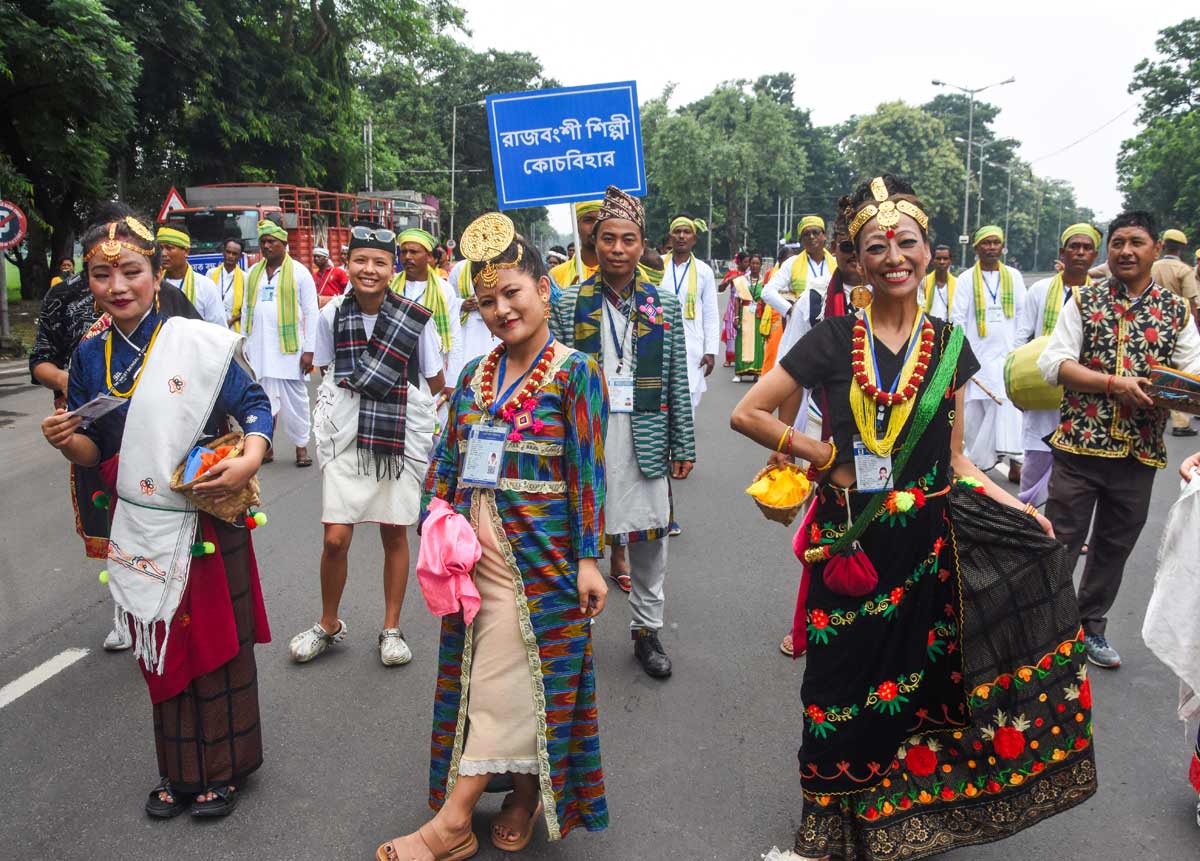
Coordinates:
x,y
1122,338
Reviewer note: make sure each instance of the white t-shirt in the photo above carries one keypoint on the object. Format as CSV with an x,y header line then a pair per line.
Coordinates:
x,y
429,348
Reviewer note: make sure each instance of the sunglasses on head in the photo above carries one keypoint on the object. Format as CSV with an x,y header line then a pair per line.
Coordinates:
x,y
381,234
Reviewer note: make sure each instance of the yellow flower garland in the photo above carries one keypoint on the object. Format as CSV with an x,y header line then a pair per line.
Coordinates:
x,y
864,407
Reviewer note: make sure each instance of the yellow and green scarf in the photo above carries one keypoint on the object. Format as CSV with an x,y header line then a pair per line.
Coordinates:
x,y
465,290
239,286
931,288
187,284
689,300
800,271
1006,297
287,303
433,299
1054,302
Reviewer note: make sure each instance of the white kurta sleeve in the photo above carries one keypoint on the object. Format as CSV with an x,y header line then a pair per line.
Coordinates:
x,y
1066,342
1186,356
209,303
781,280
962,303
712,316
1027,319
429,352
323,352
306,292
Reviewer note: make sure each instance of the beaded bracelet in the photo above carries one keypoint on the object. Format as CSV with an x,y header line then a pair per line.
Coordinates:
x,y
832,456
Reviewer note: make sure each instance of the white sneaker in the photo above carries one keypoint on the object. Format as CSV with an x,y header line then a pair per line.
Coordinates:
x,y
308,644
393,651
118,640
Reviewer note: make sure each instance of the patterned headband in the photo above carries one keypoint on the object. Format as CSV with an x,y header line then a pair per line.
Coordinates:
x,y
887,211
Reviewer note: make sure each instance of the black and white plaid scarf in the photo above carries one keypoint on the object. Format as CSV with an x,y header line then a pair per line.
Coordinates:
x,y
378,370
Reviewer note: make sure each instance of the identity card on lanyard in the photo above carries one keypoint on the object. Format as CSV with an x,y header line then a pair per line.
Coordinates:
x,y
872,472
995,311
485,455
620,384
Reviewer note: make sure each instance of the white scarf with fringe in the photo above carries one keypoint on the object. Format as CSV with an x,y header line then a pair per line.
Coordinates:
x,y
154,527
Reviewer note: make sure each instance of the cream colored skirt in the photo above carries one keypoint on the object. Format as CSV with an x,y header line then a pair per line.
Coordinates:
x,y
501,719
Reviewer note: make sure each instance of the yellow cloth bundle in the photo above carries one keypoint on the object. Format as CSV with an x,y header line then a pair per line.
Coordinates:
x,y
780,488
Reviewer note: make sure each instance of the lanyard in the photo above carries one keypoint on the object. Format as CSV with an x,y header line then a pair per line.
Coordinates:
x,y
508,393
912,342
618,343
675,274
816,273
992,294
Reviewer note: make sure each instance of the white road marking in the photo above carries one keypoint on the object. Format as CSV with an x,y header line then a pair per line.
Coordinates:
x,y
19,687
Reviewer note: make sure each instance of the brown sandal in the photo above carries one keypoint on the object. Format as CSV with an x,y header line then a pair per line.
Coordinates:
x,y
393,849
512,818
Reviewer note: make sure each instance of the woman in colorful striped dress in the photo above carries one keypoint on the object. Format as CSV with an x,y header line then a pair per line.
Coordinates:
x,y
516,692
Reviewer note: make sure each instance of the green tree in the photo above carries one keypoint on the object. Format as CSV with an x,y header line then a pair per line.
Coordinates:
x,y
67,73
905,140
1159,168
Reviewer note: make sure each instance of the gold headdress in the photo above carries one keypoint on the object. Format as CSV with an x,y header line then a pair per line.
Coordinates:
x,y
111,247
485,239
886,210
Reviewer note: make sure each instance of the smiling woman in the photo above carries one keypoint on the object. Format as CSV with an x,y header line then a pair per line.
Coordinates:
x,y
914,741
196,619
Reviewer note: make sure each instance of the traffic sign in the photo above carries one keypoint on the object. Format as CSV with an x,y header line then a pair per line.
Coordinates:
x,y
174,201
566,144
12,225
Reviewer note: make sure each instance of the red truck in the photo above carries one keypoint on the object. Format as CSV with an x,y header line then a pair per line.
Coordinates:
x,y
311,217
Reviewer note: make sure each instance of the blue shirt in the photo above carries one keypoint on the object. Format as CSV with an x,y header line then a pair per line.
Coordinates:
x,y
239,397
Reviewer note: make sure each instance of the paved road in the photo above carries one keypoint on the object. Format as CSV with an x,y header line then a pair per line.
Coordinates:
x,y
700,767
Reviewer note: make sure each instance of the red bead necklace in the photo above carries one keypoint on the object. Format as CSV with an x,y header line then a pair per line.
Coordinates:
x,y
518,410
858,361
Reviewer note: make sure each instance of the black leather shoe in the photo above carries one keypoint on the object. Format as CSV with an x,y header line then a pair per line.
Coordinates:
x,y
1184,431
649,652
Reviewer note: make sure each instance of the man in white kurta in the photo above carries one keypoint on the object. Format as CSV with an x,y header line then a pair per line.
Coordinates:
x,y
420,282
230,279
1079,246
282,374
476,339
987,304
811,269
178,272
940,286
695,286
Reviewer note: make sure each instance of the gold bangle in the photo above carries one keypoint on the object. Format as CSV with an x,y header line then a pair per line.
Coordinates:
x,y
1030,510
832,456
783,437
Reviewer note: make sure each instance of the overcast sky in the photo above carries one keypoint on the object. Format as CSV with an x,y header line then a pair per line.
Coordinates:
x,y
1072,61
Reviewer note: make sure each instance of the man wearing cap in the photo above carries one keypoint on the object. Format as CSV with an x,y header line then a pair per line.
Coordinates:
x,y
279,317
1078,247
178,272
809,272
695,288
1171,272
987,304
419,281
331,280
650,432
582,264
231,281
1109,441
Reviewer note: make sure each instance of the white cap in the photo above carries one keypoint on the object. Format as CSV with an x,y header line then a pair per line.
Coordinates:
x,y
320,251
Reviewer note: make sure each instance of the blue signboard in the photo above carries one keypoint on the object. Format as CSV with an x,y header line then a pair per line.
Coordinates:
x,y
567,144
205,263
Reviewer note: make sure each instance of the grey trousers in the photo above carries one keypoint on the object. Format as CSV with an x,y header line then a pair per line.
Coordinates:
x,y
1117,490
648,571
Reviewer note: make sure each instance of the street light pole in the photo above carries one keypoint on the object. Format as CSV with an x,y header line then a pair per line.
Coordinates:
x,y
971,92
1007,210
453,156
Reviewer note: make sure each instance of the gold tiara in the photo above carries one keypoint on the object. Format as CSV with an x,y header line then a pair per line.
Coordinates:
x,y
486,238
111,247
888,211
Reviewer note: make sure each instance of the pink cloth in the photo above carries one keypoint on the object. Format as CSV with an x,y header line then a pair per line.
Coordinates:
x,y
449,550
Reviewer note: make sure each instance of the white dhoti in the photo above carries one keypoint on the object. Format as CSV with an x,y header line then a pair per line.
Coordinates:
x,y
349,495
289,404
991,430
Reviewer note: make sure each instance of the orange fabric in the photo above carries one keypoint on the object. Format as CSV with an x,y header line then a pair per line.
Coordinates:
x,y
771,350
210,459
